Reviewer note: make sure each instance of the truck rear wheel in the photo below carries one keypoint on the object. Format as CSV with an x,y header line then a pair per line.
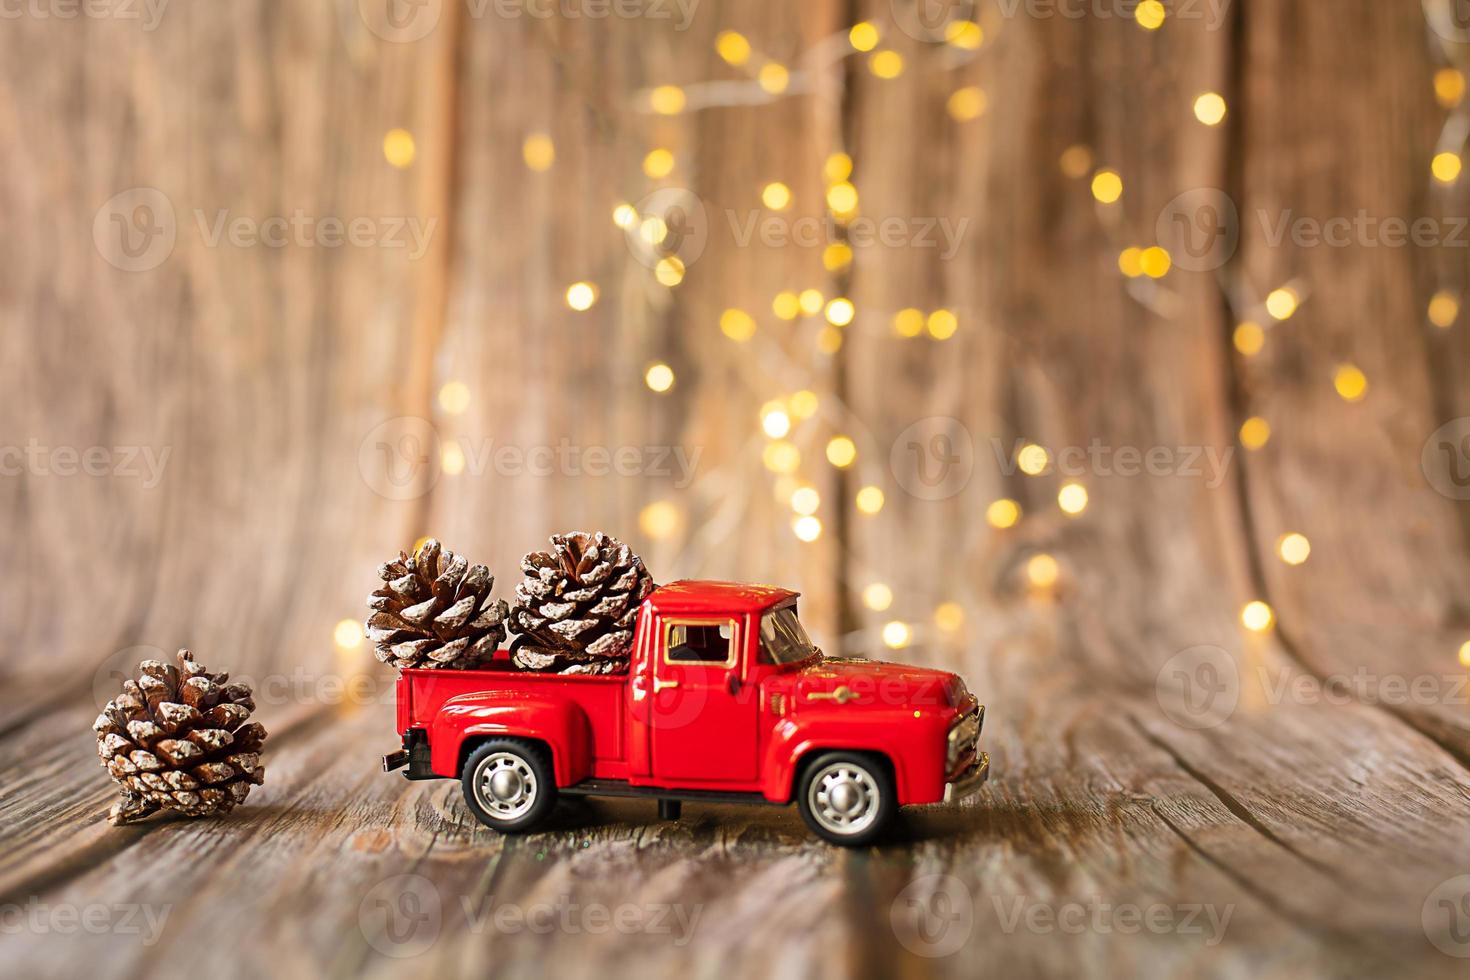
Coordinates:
x,y
847,798
509,785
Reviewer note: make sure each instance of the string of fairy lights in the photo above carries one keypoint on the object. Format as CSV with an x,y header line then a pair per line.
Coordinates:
x,y
1449,44
1144,268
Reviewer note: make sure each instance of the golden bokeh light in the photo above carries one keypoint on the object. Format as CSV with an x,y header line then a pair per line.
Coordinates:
x,y
539,152
1032,459
732,47
1255,432
659,377
864,36
1209,108
658,163
1003,513
581,296
840,311
1107,186
1248,338
886,64
776,196
773,78
897,634
1072,498
1282,302
908,322
1293,548
781,457
869,500
737,324
877,597
399,149
1043,571
841,451
667,100
1257,616
942,324
454,397
347,634
1444,309
1351,383
660,520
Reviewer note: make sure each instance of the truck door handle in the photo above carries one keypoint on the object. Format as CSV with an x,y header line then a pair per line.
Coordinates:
x,y
659,685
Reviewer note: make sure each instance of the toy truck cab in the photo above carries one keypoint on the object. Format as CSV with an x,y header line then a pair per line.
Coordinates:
x,y
725,699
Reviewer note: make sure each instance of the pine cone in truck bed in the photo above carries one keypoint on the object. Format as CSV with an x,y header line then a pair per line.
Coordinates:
x,y
434,610
176,738
576,606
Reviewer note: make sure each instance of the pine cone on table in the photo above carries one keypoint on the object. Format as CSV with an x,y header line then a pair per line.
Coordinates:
x,y
577,605
434,610
176,738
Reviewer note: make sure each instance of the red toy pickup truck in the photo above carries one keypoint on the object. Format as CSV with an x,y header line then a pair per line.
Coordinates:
x,y
726,699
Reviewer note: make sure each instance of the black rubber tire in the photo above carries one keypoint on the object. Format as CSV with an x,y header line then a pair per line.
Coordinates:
x,y
536,759
877,770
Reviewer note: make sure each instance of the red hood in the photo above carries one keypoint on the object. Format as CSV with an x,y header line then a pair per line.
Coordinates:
x,y
878,683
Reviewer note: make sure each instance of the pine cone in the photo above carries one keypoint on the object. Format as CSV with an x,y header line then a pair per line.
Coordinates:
x,y
176,739
577,605
435,610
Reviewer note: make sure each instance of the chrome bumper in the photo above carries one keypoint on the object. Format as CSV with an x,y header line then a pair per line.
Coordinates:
x,y
969,781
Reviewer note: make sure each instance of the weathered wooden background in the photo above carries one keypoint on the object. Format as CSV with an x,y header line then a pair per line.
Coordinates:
x,y
1331,830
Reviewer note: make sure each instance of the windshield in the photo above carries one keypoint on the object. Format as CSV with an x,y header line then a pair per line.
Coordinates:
x,y
783,640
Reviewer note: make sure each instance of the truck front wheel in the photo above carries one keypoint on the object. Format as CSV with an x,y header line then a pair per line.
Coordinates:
x,y
847,797
508,784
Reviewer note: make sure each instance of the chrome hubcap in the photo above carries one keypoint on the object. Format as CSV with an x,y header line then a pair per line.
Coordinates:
x,y
505,786
843,798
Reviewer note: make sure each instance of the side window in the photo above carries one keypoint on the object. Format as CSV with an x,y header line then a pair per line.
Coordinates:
x,y
698,643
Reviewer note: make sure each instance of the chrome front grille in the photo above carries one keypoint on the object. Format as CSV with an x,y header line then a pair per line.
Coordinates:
x,y
964,739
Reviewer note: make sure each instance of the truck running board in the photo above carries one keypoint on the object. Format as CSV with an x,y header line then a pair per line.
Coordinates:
x,y
619,787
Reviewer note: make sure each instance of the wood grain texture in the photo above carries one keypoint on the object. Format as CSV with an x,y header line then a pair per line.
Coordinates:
x,y
295,389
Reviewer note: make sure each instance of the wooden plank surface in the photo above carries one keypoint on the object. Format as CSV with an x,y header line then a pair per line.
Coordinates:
x,y
1303,831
